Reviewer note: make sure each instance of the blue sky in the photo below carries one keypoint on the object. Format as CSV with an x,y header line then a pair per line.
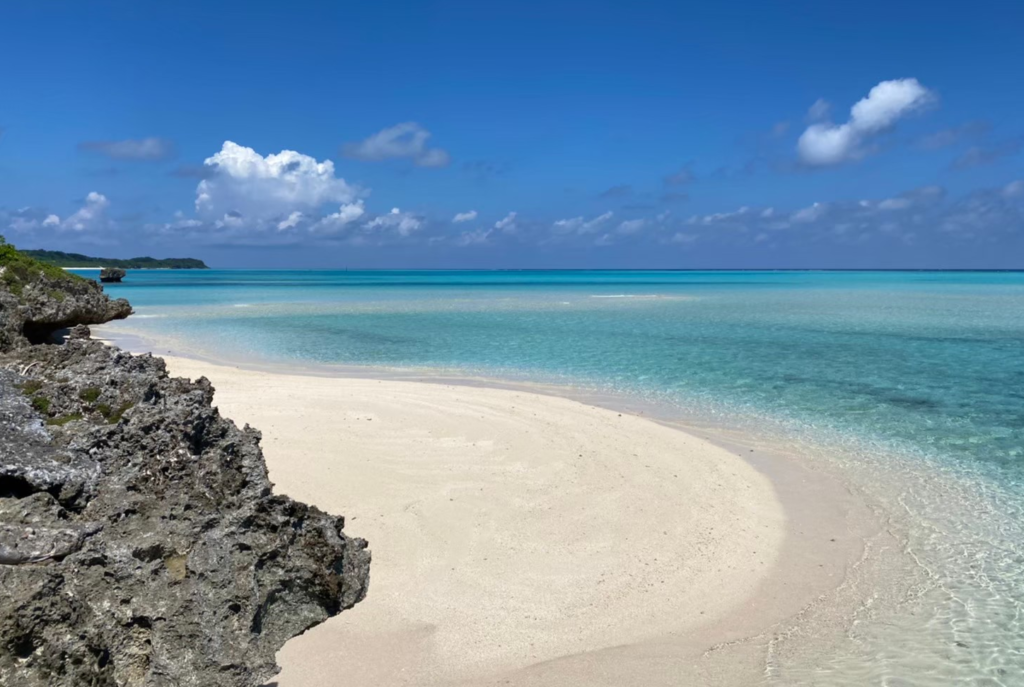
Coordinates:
x,y
620,134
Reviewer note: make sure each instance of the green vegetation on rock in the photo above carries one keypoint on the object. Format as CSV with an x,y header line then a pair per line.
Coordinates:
x,y
113,415
90,395
18,268
62,259
31,386
63,420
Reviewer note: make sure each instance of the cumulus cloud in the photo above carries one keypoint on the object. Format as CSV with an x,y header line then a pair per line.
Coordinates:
x,y
89,217
810,213
626,228
718,217
283,198
406,140
465,216
984,215
579,225
144,149
403,223
248,189
341,220
915,217
683,238
825,144
917,198
474,238
631,226
290,222
25,220
507,224
895,204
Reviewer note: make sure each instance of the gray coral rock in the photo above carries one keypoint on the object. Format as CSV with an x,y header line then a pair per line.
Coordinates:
x,y
140,540
45,305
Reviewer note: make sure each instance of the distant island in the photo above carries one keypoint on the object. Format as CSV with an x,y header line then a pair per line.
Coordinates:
x,y
62,259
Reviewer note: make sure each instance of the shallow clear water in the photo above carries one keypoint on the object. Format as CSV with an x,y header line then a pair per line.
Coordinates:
x,y
918,375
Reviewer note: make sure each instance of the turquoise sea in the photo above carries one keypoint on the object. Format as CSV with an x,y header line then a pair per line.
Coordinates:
x,y
913,382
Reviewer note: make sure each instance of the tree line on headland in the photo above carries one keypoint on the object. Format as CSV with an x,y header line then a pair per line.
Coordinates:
x,y
62,259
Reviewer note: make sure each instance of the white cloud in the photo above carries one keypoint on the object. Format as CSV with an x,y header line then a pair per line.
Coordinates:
x,y
259,190
184,224
474,238
402,222
566,226
578,225
631,226
920,197
147,149
290,222
1014,189
718,217
405,140
895,204
811,213
465,216
22,224
683,238
282,198
340,220
824,144
507,224
92,215
230,220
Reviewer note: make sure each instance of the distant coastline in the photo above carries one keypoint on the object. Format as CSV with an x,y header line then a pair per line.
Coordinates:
x,y
77,260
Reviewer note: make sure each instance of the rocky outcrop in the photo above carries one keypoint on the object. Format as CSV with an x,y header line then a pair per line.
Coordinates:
x,y
112,274
140,540
37,300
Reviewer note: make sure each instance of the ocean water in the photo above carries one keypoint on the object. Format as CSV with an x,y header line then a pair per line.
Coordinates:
x,y
913,381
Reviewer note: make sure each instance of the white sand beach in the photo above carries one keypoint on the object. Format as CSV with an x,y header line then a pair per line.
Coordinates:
x,y
517,538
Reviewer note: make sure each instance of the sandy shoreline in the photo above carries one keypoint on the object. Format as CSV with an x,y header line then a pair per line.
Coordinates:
x,y
528,539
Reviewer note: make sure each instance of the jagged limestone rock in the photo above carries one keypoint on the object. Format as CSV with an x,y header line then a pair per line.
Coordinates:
x,y
140,540
37,300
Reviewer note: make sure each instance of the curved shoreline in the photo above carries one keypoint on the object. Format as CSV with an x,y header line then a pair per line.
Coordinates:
x,y
820,532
